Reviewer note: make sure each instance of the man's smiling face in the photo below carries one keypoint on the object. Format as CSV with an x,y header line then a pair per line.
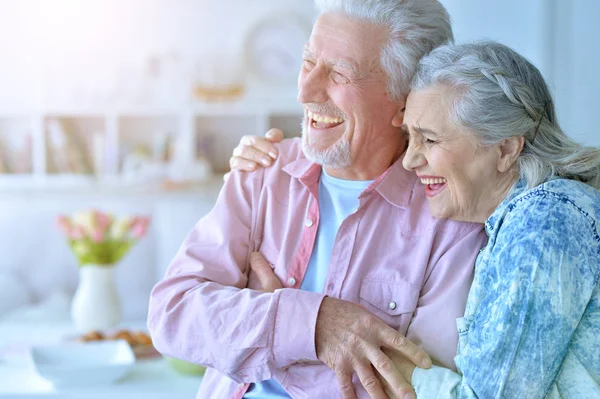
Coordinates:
x,y
343,88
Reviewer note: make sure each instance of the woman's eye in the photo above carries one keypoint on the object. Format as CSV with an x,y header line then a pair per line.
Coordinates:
x,y
429,141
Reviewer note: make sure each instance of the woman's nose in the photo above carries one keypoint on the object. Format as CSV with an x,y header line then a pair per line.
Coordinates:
x,y
413,159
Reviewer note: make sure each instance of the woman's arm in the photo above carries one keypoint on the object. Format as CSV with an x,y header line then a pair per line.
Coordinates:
x,y
255,151
533,288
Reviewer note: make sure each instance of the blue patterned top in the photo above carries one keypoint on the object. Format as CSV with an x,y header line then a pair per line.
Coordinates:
x,y
532,323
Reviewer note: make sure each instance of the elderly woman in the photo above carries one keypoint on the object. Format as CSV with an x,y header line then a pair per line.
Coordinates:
x,y
484,139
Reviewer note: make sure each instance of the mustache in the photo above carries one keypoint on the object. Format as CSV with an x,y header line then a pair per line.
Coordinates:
x,y
325,110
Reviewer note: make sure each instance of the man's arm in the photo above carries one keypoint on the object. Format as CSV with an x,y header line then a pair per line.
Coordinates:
x,y
525,322
345,334
201,311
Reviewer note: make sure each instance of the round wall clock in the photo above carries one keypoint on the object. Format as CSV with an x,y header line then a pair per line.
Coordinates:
x,y
273,48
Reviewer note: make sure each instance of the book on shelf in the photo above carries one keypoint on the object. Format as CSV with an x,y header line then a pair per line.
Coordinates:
x,y
68,150
4,163
16,154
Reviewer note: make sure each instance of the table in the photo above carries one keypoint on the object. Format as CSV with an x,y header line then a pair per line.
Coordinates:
x,y
151,378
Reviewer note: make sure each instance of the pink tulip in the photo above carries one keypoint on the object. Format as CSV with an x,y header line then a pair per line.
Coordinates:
x,y
97,235
64,224
76,233
103,219
139,227
100,224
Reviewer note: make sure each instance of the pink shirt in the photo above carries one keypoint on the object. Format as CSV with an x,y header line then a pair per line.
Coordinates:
x,y
391,256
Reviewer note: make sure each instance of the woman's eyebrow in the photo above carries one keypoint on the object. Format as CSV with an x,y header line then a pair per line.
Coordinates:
x,y
423,130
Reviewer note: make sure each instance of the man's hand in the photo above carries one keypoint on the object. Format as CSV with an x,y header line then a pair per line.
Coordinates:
x,y
349,339
268,280
254,151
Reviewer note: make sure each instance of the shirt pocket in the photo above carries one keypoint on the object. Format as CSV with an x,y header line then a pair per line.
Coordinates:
x,y
393,302
462,325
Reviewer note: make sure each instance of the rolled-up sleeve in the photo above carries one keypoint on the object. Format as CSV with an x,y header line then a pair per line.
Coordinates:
x,y
201,311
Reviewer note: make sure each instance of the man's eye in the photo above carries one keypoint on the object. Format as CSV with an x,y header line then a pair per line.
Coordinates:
x,y
308,64
339,78
429,141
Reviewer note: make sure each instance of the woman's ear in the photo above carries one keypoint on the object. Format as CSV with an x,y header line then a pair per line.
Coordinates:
x,y
509,151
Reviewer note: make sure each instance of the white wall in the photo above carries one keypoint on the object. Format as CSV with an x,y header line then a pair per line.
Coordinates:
x,y
95,51
577,66
523,30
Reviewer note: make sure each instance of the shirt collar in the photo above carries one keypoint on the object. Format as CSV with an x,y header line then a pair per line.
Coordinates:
x,y
395,185
491,224
304,170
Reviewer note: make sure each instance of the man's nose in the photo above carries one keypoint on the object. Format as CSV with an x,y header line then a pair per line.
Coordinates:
x,y
413,158
312,86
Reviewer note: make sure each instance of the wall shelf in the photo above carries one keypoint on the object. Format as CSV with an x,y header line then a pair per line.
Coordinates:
x,y
90,147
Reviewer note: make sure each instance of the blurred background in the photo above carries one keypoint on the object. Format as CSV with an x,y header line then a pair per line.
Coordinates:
x,y
133,107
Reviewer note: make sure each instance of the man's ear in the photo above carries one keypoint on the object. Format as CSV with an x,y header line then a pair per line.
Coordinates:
x,y
509,150
398,118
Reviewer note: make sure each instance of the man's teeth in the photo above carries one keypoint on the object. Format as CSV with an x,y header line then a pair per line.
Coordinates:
x,y
324,118
434,181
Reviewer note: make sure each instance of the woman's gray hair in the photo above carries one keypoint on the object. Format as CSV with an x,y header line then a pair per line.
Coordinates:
x,y
415,27
500,94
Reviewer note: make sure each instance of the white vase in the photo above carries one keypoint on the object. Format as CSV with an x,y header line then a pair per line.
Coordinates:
x,y
96,304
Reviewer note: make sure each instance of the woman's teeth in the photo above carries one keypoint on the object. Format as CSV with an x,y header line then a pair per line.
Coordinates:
x,y
434,181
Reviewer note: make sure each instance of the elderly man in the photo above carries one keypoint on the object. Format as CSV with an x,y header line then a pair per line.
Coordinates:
x,y
345,228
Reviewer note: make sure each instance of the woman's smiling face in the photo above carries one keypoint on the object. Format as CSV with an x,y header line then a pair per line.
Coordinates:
x,y
465,179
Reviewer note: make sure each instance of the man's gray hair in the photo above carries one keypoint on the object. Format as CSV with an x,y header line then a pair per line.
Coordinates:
x,y
415,27
500,94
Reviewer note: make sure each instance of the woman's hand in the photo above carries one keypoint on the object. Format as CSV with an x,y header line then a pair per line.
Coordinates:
x,y
255,151
405,366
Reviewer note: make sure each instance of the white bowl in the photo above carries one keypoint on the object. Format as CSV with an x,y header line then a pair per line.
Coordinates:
x,y
79,364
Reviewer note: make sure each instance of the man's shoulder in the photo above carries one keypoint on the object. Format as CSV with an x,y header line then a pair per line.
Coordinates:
x,y
290,150
419,208
290,163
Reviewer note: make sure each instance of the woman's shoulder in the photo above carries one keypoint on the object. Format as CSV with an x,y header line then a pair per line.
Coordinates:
x,y
559,197
555,220
556,207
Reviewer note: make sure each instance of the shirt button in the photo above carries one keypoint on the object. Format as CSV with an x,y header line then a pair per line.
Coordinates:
x,y
291,281
308,222
392,305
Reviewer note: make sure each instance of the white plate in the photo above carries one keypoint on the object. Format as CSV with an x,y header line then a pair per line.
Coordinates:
x,y
77,364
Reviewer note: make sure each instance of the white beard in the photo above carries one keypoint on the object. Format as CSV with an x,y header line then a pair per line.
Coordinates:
x,y
337,156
